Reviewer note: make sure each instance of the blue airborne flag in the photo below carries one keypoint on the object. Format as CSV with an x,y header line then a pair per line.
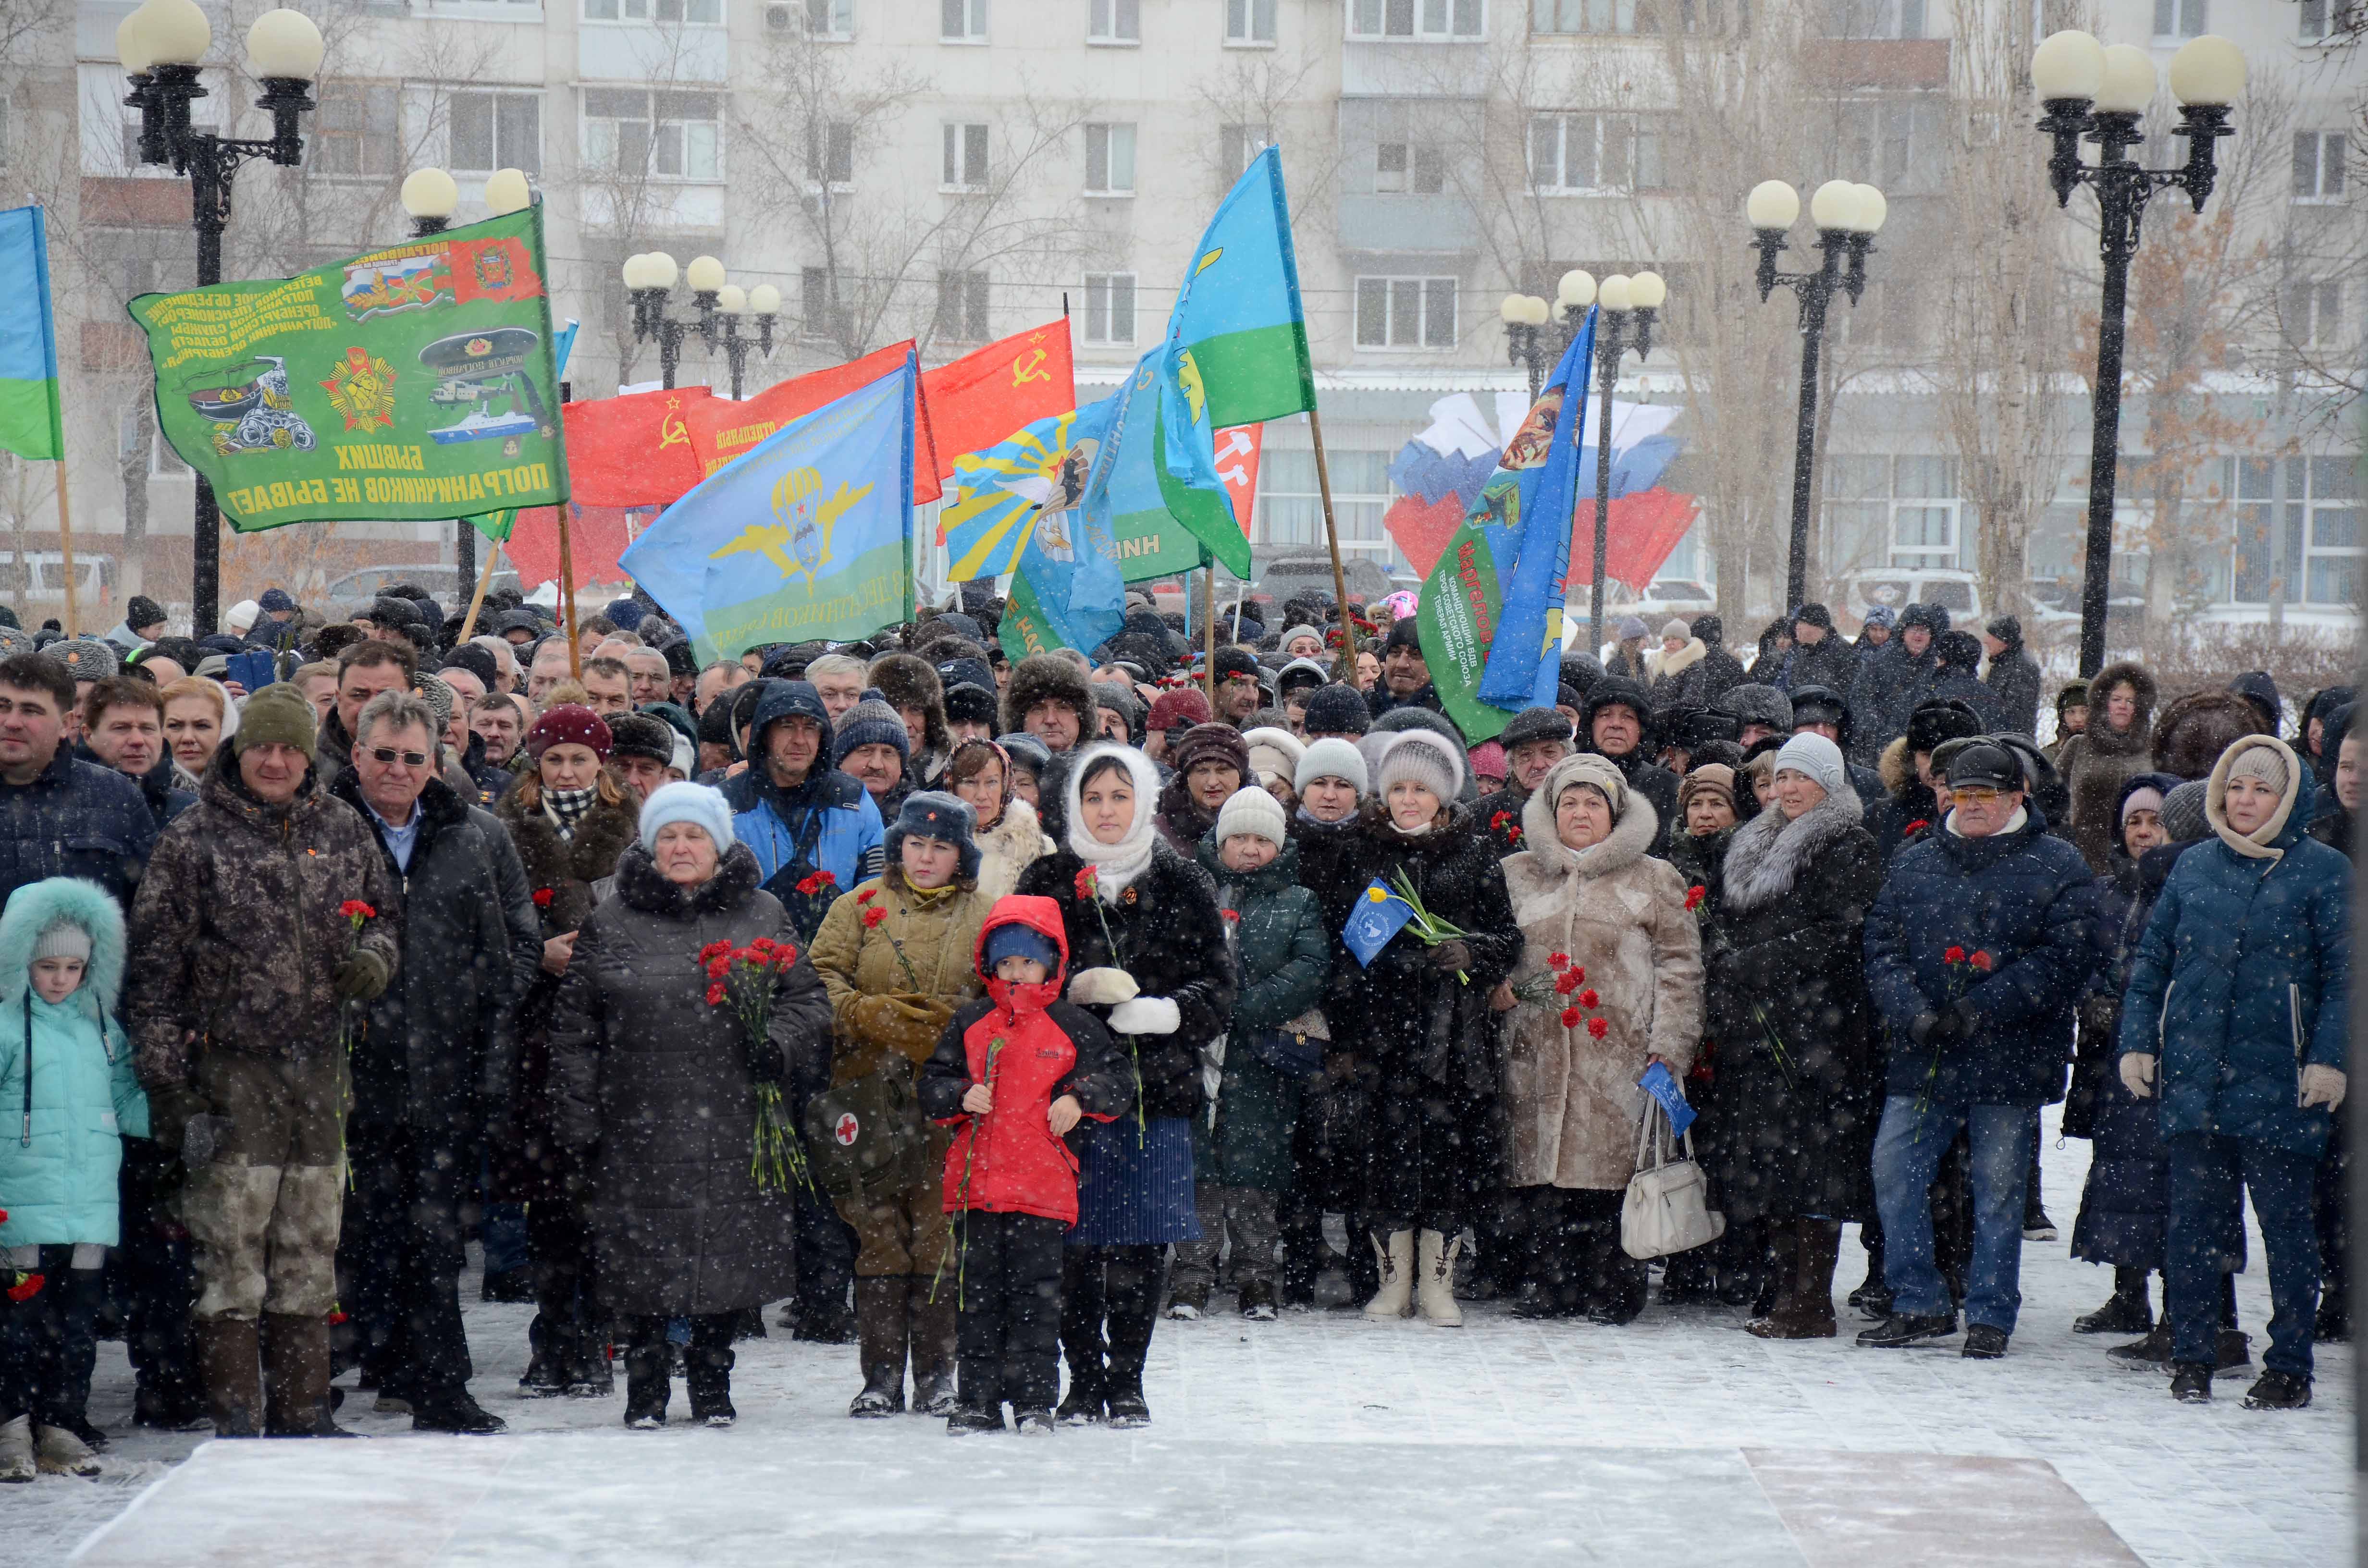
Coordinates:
x,y
1525,659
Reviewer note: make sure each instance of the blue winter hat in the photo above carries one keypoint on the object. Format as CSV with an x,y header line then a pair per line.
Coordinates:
x,y
870,723
1014,940
275,600
695,804
1881,615
932,814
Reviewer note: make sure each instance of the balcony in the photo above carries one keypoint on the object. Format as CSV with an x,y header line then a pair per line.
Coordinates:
x,y
1893,64
131,203
1408,225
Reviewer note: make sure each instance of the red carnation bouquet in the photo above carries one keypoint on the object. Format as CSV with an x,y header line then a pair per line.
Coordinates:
x,y
744,979
1964,970
1562,986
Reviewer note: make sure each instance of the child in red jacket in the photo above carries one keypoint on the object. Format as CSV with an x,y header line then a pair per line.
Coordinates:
x,y
1016,1072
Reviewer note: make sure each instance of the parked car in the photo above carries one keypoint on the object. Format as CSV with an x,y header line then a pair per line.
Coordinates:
x,y
1896,587
443,583
41,576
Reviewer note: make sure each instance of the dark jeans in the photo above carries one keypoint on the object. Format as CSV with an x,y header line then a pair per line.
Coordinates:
x,y
566,1277
47,1345
1008,1334
402,1249
2206,1174
1109,1304
2330,1196
156,1277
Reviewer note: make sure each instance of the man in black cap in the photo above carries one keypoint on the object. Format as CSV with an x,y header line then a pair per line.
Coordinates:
x,y
1339,710
1238,692
1891,681
1617,723
1818,657
1405,679
1977,948
2013,676
1907,799
1957,660
1720,669
1819,710
641,747
1535,740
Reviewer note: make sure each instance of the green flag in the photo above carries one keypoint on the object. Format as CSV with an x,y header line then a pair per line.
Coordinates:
x,y
413,383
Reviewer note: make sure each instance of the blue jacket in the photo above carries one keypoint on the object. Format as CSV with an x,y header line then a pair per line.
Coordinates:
x,y
827,824
2242,977
70,1096
76,819
2024,897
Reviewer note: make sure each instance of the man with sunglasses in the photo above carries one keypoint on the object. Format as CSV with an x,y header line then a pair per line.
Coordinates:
x,y
1976,950
432,1066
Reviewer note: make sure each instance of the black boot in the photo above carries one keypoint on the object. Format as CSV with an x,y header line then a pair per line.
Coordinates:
x,y
1082,1305
2126,1312
932,1327
551,1344
647,1384
1133,1286
710,1360
880,1338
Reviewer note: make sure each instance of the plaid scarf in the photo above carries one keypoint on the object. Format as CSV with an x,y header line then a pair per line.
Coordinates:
x,y
566,808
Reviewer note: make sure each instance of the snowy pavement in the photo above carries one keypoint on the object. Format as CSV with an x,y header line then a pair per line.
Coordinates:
x,y
1319,1438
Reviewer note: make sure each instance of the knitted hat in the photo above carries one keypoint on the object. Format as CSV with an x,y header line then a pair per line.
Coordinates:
x,y
145,611
1290,633
1534,724
1982,762
1675,628
1013,940
1337,710
970,704
85,658
65,939
277,713
570,723
275,601
1815,615
870,723
1880,615
241,617
684,802
1330,758
2007,629
641,734
1631,627
1425,759
933,814
439,698
1234,661
2143,798
1404,633
1811,753
1959,650
1600,773
1179,708
1253,812
1212,742
1274,754
2261,763
1710,629
2182,811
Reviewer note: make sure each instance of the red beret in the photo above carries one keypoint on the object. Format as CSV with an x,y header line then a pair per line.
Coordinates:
x,y
568,724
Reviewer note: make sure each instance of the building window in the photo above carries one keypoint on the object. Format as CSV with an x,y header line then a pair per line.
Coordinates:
x,y
163,463
1583,16
830,19
1899,512
2318,164
1895,142
1595,152
1237,145
495,131
1430,19
822,313
1110,160
1291,503
665,135
2330,491
961,21
2315,313
1406,313
1870,18
1249,22
697,12
961,307
355,131
1403,167
965,156
831,155
1109,308
2178,18
1114,21
2322,19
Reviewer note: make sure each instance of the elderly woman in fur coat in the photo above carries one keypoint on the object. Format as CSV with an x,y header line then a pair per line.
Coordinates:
x,y
1585,894
1794,1025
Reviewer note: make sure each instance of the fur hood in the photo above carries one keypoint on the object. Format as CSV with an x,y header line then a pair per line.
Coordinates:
x,y
1769,853
1895,767
643,888
2196,729
34,908
2099,736
1042,678
1663,663
1633,830
907,680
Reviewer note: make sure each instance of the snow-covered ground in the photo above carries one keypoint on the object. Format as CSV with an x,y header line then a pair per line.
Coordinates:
x,y
1317,1438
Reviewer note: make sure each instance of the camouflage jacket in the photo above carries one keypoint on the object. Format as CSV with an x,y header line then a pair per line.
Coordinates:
x,y
236,933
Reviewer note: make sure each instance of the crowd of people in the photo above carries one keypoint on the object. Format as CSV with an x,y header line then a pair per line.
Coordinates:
x,y
987,1012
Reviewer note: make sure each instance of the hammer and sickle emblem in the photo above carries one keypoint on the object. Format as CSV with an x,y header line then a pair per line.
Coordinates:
x,y
672,432
1030,368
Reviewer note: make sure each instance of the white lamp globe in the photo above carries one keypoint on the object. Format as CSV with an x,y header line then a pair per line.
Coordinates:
x,y
284,45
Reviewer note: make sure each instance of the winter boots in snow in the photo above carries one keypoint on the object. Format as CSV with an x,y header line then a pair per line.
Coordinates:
x,y
1191,1302
2275,1390
647,1386
1801,1257
1133,1290
16,1461
1983,1343
454,1411
882,1325
1395,1256
228,1355
295,1355
1434,1284
1902,1329
708,1371
932,1327
2126,1312
57,1451
1258,1302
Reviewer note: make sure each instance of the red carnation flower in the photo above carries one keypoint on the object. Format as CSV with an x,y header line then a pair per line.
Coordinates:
x,y
543,897
715,994
713,950
785,958
1570,1017
1085,884
1559,960
762,944
1919,825
1499,820
1580,971
1587,998
1982,961
1695,896
1598,1027
1954,955
719,966
866,896
355,909
1234,915
872,917
1566,983
27,1286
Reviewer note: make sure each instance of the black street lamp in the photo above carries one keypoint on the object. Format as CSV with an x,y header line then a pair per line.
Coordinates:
x,y
734,304
1847,216
2099,94
1625,301
1537,334
649,278
429,198
160,45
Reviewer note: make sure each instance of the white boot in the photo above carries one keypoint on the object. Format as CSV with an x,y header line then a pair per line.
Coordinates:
x,y
1435,1280
60,1452
16,1450
1397,1276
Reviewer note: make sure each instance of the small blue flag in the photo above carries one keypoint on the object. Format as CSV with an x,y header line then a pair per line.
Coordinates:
x,y
1379,914
1658,1084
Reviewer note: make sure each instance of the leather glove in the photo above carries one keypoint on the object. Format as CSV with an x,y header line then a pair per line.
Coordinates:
x,y
361,976
2322,1085
1451,955
2137,1074
1145,1015
1102,987
170,1110
765,1061
1938,1028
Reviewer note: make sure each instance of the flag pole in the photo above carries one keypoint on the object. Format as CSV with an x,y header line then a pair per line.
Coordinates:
x,y
567,599
65,543
1346,667
1209,628
485,580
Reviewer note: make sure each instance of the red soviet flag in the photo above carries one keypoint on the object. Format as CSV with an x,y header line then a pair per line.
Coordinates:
x,y
987,394
632,450
722,429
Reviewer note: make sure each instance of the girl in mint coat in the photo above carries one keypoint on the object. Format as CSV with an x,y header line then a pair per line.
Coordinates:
x,y
68,1097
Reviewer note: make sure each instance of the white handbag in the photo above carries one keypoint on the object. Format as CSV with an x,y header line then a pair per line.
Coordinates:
x,y
1667,1207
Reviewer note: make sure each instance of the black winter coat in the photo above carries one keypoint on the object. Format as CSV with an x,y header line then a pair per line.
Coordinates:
x,y
75,818
1889,686
438,1052
1653,781
160,786
1164,931
655,1096
1832,663
2125,1203
1328,866
1958,684
1722,672
1788,1007
2024,898
2013,681
1499,816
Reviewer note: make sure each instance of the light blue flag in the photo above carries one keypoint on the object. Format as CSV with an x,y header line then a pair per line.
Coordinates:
x,y
1524,659
807,535
1071,562
996,496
